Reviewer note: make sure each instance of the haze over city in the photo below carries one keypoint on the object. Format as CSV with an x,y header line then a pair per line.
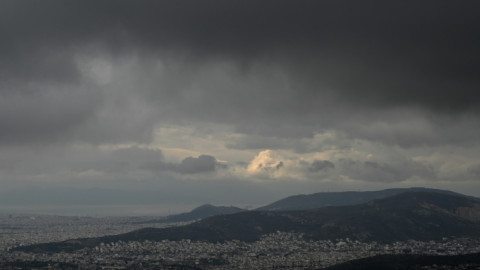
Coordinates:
x,y
151,107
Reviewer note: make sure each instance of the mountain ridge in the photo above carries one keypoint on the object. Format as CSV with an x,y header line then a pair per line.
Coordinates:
x,y
412,215
322,199
200,212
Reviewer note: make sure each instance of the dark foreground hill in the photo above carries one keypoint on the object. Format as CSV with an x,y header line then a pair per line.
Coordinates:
x,y
398,262
201,212
412,215
323,199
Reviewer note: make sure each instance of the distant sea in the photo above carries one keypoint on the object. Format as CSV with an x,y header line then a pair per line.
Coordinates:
x,y
99,210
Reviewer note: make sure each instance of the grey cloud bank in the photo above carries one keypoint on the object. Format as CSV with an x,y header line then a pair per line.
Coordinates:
x,y
318,165
312,64
340,92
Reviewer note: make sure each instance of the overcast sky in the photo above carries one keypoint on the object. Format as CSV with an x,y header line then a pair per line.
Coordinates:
x,y
235,102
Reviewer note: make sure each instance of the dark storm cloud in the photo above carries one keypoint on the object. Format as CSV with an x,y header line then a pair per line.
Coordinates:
x,y
135,158
44,113
203,163
319,165
152,160
382,53
340,60
376,171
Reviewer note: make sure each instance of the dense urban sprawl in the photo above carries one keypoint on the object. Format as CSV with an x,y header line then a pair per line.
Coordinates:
x,y
273,251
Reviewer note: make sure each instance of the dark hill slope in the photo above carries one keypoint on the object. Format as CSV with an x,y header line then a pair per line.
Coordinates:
x,y
323,199
201,212
411,215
